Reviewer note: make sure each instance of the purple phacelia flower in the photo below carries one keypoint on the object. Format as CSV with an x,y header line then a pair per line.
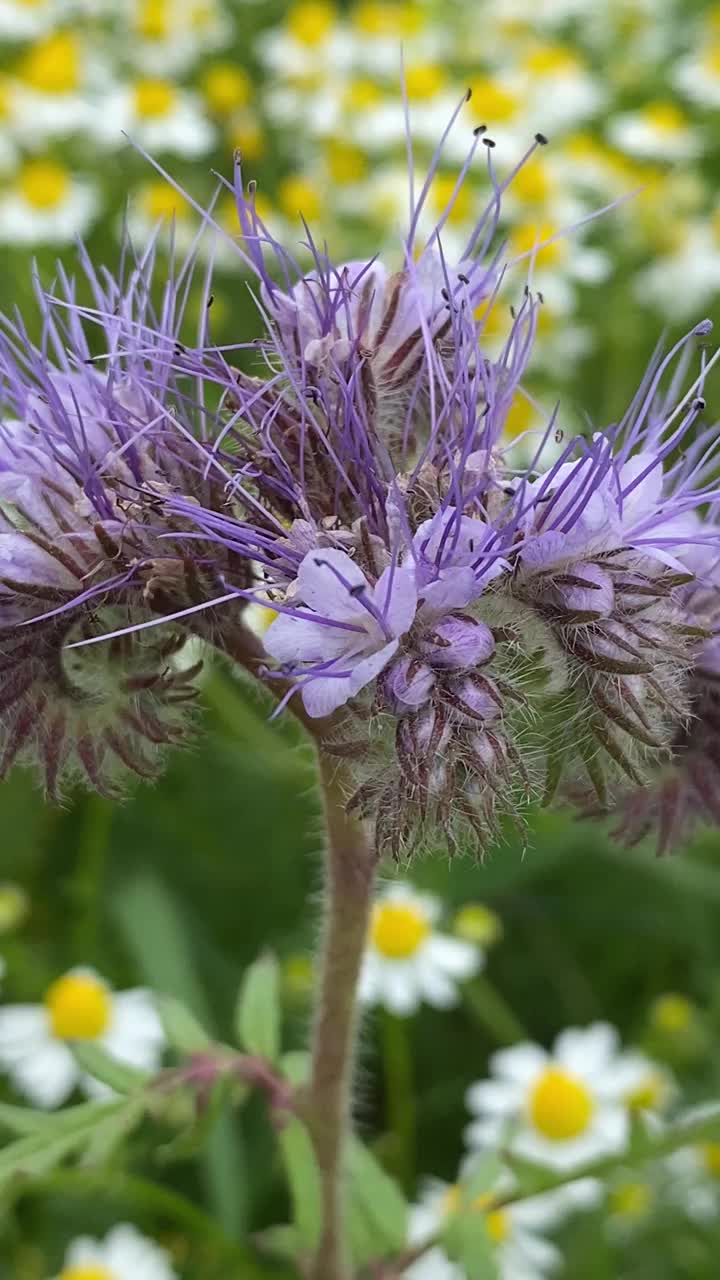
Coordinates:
x,y
88,453
465,634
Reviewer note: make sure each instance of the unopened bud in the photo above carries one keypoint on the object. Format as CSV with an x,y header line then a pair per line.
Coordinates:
x,y
408,684
586,590
458,642
476,696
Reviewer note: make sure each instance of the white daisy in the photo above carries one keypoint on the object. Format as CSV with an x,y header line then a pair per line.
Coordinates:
x,y
158,116
57,90
692,1181
698,75
659,130
157,206
22,21
516,1230
558,1109
46,204
124,1254
34,1049
166,37
406,961
680,282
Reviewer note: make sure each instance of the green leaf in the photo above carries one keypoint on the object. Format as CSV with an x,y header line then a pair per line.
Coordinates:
x,y
257,1017
466,1240
377,1209
282,1240
295,1067
303,1177
108,1070
183,1030
24,1121
108,1133
37,1153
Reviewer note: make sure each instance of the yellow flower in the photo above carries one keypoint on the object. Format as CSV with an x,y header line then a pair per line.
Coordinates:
x,y
346,163
226,87
79,1007
153,98
298,195
561,1106
477,923
53,65
44,184
398,929
424,80
311,21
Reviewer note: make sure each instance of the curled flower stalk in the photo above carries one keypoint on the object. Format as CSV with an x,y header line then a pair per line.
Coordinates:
x,y
464,634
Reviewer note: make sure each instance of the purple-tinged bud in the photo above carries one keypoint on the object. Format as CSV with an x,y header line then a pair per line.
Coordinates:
x,y
585,591
458,642
407,684
475,696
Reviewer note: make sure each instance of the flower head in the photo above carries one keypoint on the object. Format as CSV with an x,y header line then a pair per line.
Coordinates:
x,y
35,1039
124,1254
559,1109
407,960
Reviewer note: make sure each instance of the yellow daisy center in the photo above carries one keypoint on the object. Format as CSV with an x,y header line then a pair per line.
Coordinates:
x,y
93,1271
666,117
53,65
528,237
398,929
362,94
424,80
477,923
44,184
4,99
247,137
710,1152
153,20
671,1014
550,60
298,195
153,98
442,193
495,320
561,1106
492,102
631,1199
533,183
346,163
79,1007
373,19
311,22
160,200
201,16
226,87
519,417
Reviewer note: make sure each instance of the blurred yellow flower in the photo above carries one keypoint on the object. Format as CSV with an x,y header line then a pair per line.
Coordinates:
x,y
159,199
153,98
492,102
373,19
441,193
226,87
362,94
14,907
477,923
630,1200
346,163
153,19
424,80
298,194
53,65
43,183
246,136
529,237
311,21
672,1014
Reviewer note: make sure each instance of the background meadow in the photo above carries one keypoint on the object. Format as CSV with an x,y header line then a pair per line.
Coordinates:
x,y
184,883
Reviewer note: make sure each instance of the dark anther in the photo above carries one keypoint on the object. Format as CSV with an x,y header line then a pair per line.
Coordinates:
x,y
444,294
252,187
468,93
210,301
479,128
541,139
513,313
463,279
540,296
488,142
357,590
699,404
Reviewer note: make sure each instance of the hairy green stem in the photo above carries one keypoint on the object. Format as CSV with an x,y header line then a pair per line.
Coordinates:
x,y
350,875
